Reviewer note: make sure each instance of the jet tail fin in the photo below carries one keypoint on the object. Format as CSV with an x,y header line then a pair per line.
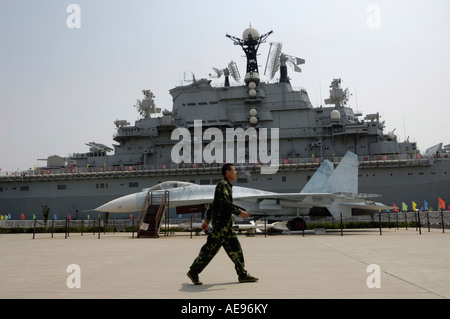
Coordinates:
x,y
329,180
318,181
345,176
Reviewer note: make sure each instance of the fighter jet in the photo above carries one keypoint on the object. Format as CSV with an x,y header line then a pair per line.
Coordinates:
x,y
97,147
333,191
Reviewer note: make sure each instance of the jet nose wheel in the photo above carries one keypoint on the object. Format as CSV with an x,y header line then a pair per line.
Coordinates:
x,y
296,224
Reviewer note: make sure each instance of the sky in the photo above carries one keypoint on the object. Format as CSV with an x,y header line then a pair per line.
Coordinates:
x,y
67,73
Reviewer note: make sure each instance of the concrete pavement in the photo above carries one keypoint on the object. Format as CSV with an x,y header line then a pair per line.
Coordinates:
x,y
403,263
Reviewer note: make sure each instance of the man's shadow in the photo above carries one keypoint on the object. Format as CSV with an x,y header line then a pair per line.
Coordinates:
x,y
188,287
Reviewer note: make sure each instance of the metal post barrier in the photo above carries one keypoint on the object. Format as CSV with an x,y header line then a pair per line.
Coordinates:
x,y
65,230
132,228
34,228
418,220
82,224
396,217
265,225
167,222
53,223
428,221
93,228
389,220
379,221
415,219
191,226
304,226
442,219
98,226
406,222
342,226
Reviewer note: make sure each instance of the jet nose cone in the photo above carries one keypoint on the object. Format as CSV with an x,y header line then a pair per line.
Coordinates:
x,y
123,204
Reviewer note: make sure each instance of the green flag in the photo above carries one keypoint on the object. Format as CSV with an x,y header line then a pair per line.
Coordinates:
x,y
404,207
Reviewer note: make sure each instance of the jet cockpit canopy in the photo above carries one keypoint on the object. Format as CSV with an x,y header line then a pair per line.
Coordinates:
x,y
168,185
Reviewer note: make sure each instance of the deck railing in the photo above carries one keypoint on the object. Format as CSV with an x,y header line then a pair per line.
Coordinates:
x,y
366,159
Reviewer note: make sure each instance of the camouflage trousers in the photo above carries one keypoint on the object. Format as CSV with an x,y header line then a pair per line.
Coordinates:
x,y
227,240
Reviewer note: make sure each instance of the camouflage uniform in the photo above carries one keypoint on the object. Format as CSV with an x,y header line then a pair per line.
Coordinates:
x,y
221,213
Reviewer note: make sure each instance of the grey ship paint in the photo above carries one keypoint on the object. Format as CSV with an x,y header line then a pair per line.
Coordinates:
x,y
306,135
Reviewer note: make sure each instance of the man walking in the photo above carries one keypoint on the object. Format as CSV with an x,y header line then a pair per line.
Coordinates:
x,y
222,218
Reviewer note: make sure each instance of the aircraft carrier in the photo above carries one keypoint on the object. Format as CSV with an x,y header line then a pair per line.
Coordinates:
x,y
156,148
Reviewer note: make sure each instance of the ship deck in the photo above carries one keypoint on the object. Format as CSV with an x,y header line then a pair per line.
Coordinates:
x,y
290,164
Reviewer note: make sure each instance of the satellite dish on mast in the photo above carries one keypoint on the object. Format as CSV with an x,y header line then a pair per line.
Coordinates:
x,y
218,73
273,59
277,60
234,71
250,42
231,69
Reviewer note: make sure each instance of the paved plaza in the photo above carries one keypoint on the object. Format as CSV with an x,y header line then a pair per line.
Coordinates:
x,y
360,264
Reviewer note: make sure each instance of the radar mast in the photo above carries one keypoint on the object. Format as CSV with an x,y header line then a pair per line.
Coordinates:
x,y
251,39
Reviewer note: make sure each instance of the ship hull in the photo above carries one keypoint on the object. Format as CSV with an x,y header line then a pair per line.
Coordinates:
x,y
78,194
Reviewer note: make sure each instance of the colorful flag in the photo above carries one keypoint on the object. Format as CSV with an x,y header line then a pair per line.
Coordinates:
x,y
22,216
404,207
425,205
9,216
54,217
396,209
441,203
69,216
414,206
131,216
34,216
1,217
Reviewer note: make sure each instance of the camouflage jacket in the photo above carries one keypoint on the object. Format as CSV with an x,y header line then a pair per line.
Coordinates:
x,y
222,210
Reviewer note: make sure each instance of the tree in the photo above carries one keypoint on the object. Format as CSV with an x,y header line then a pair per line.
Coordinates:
x,y
45,213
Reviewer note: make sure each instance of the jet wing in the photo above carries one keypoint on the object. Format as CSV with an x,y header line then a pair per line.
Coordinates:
x,y
314,198
366,205
295,197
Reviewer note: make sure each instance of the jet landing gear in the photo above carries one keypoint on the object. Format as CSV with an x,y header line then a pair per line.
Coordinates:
x,y
296,224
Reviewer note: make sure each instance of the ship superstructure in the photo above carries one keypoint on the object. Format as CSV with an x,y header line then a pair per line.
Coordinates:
x,y
143,153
